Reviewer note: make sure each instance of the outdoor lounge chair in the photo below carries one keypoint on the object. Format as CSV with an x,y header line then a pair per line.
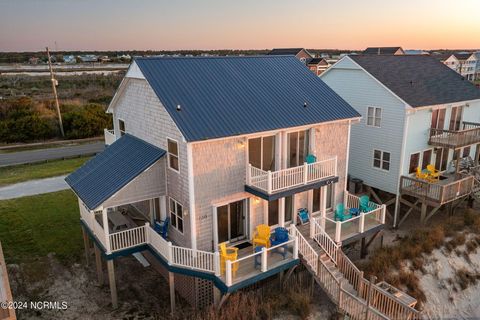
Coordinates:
x,y
262,236
310,159
231,254
303,215
419,174
341,214
433,174
161,227
280,235
364,204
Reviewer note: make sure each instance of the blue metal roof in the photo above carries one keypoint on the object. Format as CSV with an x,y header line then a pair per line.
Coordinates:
x,y
229,96
108,172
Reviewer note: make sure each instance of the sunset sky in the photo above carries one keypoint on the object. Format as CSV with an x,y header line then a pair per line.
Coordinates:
x,y
30,25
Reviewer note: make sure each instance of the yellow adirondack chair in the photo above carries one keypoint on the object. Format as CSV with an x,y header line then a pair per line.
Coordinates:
x,y
262,236
420,175
434,174
228,254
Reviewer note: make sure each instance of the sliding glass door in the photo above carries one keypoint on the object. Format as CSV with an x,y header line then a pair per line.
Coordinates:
x,y
261,153
231,222
297,148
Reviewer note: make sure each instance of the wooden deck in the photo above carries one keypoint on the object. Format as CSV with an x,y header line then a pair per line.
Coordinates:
x,y
248,269
456,139
449,188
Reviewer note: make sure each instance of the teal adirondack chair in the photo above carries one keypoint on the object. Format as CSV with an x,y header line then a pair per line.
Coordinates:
x,y
364,204
310,159
340,214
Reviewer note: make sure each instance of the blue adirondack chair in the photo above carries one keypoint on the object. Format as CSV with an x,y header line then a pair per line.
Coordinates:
x,y
280,235
161,227
303,215
364,204
341,214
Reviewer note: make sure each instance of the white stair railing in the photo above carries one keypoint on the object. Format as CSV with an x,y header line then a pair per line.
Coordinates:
x,y
323,239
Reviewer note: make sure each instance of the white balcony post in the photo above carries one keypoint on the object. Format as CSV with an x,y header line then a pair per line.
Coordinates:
x,y
249,174
305,173
216,263
312,227
228,272
170,253
269,181
105,230
338,231
295,248
336,162
383,213
361,226
146,229
264,259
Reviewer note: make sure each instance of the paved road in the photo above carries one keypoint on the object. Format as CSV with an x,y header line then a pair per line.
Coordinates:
x,y
33,187
31,156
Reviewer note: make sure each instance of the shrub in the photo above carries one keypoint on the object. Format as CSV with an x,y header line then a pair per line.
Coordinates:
x,y
86,121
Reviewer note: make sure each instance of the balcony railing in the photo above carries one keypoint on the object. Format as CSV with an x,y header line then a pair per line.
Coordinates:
x,y
438,193
109,137
456,139
235,271
276,181
342,230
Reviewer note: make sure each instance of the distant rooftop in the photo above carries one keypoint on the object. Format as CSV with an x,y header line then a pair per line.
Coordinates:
x,y
286,51
419,80
382,50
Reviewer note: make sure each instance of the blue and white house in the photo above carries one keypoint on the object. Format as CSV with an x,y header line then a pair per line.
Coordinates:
x,y
415,112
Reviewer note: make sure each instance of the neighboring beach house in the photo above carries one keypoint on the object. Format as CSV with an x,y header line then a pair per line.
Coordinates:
x,y
415,112
300,53
384,50
241,142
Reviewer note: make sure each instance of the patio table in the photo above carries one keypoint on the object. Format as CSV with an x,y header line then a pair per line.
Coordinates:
x,y
118,221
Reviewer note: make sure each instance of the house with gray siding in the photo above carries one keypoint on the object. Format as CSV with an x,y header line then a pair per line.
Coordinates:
x,y
416,112
240,142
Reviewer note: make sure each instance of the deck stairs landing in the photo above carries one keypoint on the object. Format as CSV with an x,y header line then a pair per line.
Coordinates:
x,y
355,297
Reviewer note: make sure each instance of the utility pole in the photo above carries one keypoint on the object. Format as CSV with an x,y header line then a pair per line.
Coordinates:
x,y
54,88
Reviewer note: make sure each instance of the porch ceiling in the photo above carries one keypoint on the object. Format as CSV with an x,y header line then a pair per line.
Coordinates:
x,y
108,172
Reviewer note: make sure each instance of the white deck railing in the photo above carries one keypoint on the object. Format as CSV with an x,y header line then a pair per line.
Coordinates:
x,y
89,218
262,255
275,181
128,238
109,136
377,214
308,253
325,241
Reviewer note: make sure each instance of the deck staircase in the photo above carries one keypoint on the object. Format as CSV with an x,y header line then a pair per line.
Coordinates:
x,y
355,297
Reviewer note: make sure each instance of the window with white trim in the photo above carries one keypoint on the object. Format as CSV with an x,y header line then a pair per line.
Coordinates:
x,y
121,127
381,160
172,147
374,116
176,214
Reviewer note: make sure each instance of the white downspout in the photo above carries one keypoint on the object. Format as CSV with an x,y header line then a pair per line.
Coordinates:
x,y
347,158
191,198
402,160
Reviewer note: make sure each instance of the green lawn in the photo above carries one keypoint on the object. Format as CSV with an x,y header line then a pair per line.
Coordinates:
x,y
24,172
32,227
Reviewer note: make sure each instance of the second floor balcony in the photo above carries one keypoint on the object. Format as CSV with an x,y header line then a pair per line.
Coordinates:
x,y
468,135
271,182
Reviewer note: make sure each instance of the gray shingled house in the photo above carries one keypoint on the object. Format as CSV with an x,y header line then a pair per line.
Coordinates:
x,y
219,146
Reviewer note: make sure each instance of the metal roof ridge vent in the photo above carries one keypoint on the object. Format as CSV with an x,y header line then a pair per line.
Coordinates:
x,y
305,104
179,107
